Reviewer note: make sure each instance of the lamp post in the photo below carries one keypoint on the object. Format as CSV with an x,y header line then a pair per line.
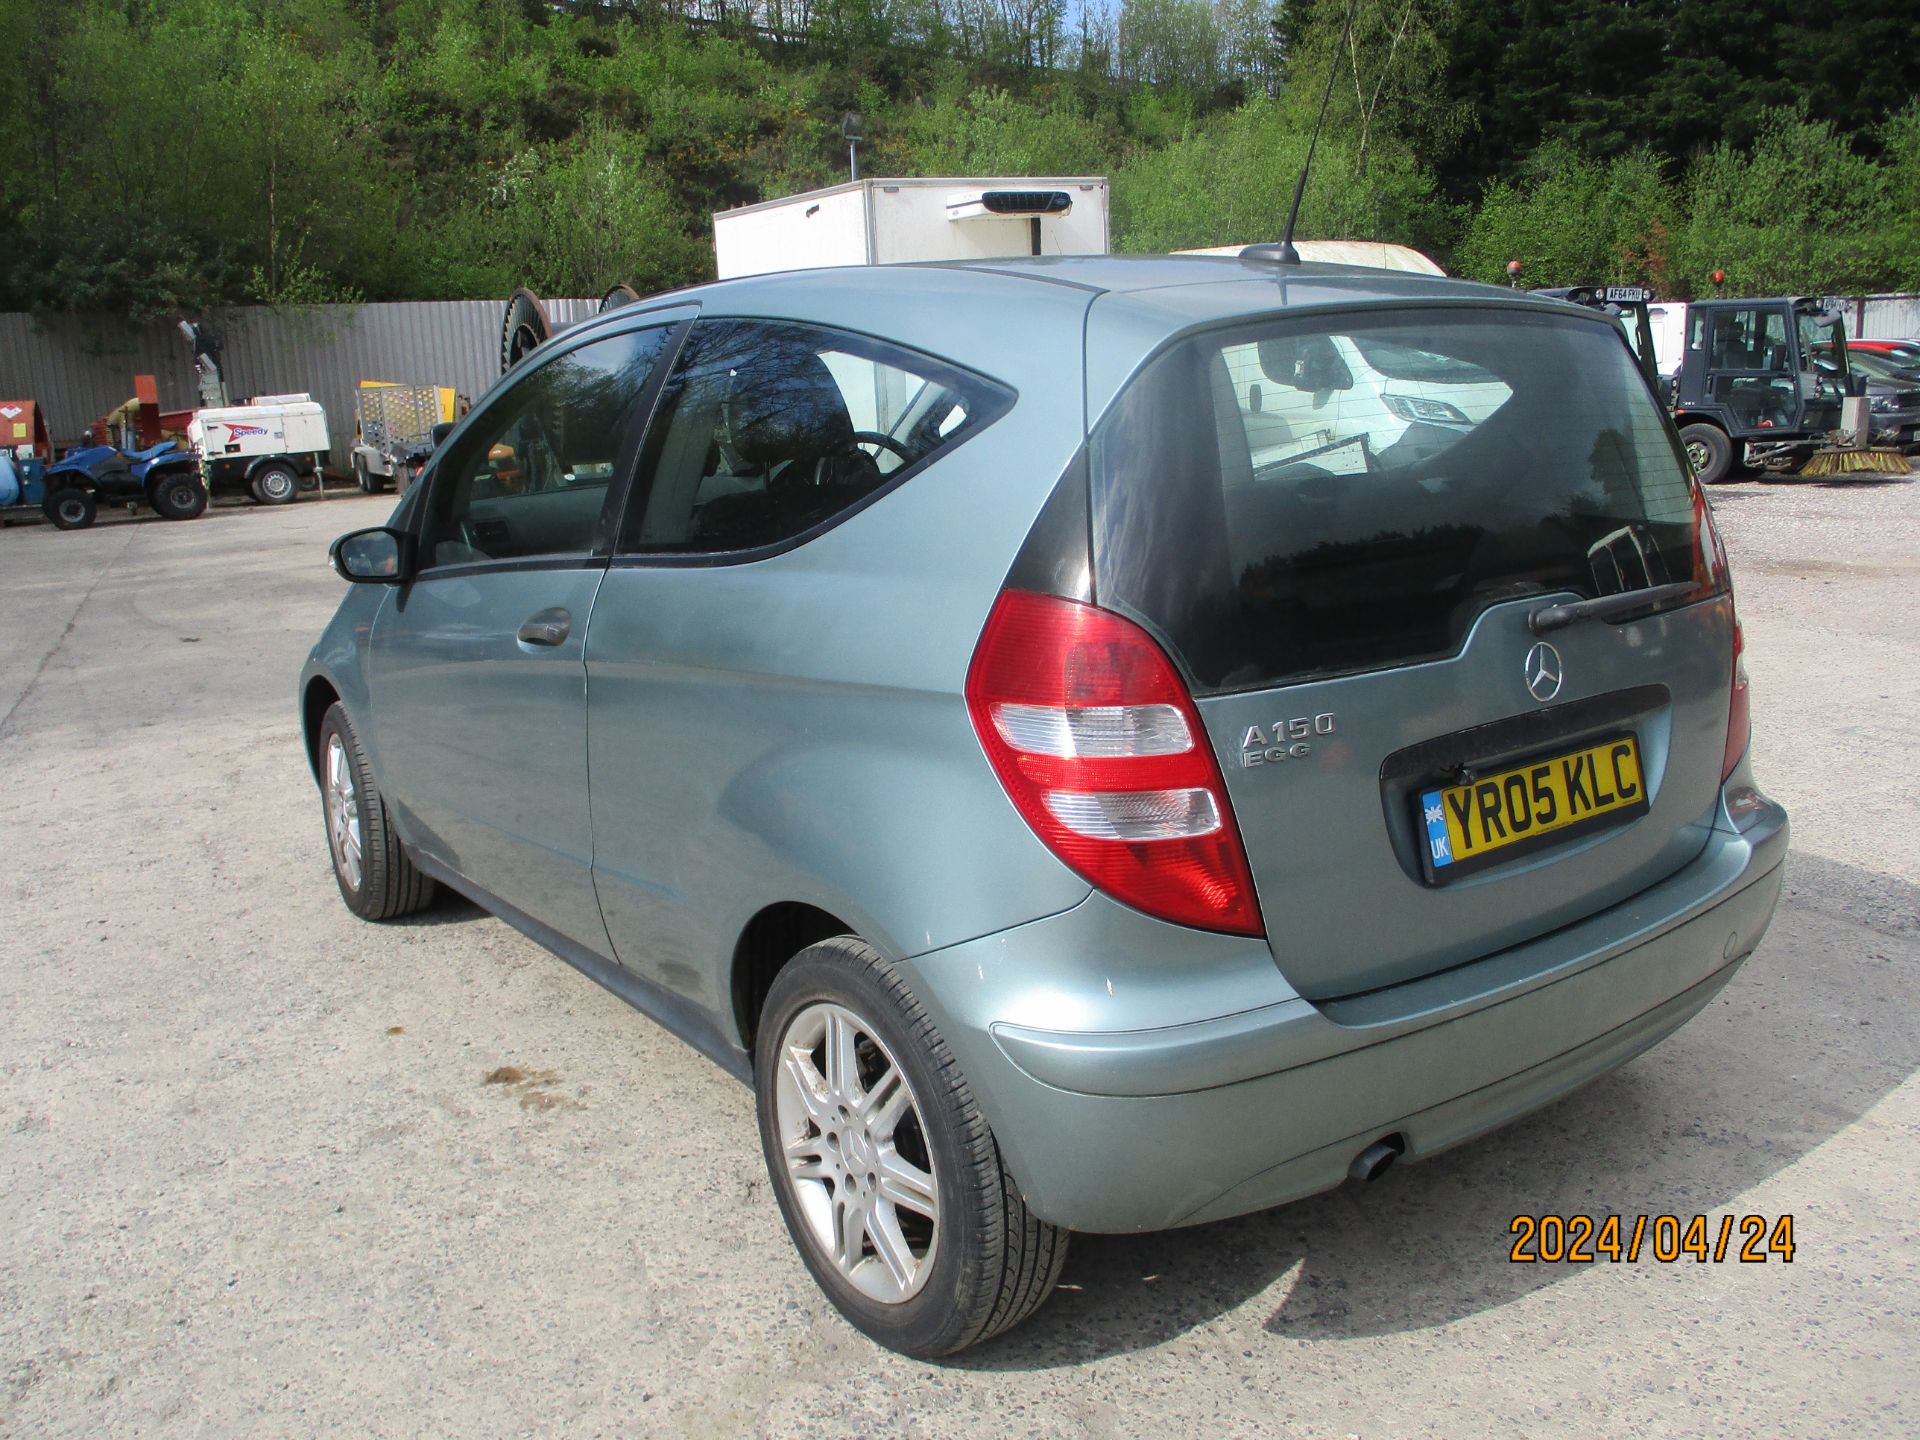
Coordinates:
x,y
853,131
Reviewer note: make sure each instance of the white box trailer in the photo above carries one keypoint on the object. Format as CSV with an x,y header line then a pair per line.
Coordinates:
x,y
272,447
881,221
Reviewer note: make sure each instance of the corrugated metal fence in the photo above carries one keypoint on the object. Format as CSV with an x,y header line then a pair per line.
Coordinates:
x,y
79,367
1886,317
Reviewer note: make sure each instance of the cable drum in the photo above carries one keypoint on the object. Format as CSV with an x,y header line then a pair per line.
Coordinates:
x,y
523,328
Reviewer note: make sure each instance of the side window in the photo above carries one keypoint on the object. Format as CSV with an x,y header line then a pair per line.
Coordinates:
x,y
774,429
1750,340
530,476
1732,339
1816,345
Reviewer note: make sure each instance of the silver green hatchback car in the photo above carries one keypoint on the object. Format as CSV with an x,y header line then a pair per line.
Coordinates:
x,y
1097,744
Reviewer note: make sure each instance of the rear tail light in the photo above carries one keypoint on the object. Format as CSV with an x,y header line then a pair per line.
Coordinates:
x,y
1739,708
1715,577
1710,570
1095,738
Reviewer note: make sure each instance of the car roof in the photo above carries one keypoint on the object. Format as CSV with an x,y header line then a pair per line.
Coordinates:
x,y
1122,275
986,314
1012,280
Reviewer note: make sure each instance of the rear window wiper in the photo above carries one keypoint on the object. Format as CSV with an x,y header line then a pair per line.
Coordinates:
x,y
1608,607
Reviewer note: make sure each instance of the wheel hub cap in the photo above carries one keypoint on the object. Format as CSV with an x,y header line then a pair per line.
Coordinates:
x,y
856,1153
343,814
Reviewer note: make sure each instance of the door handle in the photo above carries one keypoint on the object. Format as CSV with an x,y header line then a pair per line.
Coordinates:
x,y
548,627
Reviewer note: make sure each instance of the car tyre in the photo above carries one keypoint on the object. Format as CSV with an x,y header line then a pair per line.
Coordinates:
x,y
274,484
371,483
377,879
866,1122
1709,451
69,508
178,496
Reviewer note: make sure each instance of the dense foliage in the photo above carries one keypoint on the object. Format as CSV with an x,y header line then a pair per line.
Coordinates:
x,y
164,157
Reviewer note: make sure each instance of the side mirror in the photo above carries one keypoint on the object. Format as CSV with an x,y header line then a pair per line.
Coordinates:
x,y
441,431
372,557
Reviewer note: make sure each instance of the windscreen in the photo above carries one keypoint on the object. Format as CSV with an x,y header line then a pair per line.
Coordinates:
x,y
1310,496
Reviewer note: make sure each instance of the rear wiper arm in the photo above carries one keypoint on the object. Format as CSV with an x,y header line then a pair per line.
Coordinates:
x,y
1607,607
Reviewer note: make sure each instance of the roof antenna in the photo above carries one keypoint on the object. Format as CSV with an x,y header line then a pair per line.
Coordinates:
x,y
1284,253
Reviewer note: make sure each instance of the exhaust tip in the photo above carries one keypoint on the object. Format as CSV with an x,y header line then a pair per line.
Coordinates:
x,y
1374,1161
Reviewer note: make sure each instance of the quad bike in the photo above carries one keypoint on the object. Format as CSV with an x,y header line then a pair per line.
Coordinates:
x,y
164,477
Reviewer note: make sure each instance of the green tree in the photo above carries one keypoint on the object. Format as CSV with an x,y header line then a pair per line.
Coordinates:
x,y
1230,181
1798,212
573,219
1571,220
991,132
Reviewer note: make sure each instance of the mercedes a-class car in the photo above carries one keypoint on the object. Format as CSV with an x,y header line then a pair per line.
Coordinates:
x,y
1097,744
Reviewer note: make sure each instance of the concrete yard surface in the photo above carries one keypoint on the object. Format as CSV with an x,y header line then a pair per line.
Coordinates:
x,y
268,1170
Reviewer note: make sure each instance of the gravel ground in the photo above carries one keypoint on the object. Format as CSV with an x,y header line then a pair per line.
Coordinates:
x,y
253,1180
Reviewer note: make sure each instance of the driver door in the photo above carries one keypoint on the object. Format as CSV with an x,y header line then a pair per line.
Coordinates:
x,y
477,665
1751,371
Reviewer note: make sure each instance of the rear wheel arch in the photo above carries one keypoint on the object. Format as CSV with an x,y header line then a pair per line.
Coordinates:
x,y
773,937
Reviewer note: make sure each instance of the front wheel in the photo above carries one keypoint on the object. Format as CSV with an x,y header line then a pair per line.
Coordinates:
x,y
888,1178
376,878
274,484
1708,451
69,507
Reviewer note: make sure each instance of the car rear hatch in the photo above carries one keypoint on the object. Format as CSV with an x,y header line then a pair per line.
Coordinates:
x,y
1344,527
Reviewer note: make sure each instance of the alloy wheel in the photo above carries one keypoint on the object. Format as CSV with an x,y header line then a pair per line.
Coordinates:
x,y
854,1146
343,814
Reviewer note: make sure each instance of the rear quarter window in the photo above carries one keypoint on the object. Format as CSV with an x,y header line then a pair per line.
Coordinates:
x,y
772,431
1309,496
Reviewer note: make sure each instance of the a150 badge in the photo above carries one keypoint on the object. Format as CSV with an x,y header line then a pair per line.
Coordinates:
x,y
1283,740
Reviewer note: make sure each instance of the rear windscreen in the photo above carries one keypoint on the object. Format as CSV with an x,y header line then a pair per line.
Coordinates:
x,y
1310,496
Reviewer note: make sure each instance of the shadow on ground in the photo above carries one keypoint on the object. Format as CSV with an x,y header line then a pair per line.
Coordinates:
x,y
1771,1070
448,908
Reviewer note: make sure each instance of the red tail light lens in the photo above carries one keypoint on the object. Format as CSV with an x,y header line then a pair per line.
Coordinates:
x,y
1714,576
1739,708
1711,572
1096,740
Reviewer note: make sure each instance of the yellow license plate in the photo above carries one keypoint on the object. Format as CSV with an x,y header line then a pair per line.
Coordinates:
x,y
1498,816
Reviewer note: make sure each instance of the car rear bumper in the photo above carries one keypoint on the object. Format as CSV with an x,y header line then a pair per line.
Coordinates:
x,y
1121,1129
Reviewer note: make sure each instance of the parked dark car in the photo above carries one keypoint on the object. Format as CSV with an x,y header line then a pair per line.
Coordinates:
x,y
1893,393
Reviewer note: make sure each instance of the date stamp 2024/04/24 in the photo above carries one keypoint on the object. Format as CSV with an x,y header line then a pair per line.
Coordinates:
x,y
1590,1239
